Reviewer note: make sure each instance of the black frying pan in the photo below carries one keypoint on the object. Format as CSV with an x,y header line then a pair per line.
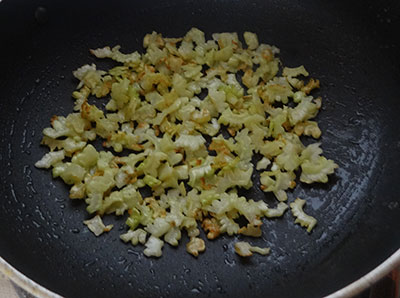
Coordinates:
x,y
351,46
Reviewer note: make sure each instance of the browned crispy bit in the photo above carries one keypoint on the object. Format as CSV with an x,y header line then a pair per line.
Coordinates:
x,y
212,227
174,63
114,165
299,129
231,131
262,187
307,128
98,173
292,184
140,75
156,130
107,228
118,161
179,150
158,211
132,180
198,214
251,230
267,55
85,110
54,118
312,84
137,147
204,185
150,68
141,125
219,146
247,78
286,125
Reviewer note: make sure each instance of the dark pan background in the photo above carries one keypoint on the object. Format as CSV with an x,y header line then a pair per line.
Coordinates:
x,y
351,46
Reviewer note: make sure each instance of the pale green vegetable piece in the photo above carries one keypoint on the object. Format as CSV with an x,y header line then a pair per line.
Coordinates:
x,y
244,249
317,170
263,163
158,228
87,158
302,218
71,173
50,159
173,236
190,142
251,40
135,237
305,110
276,212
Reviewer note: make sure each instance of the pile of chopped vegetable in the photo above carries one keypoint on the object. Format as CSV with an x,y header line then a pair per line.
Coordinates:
x,y
191,113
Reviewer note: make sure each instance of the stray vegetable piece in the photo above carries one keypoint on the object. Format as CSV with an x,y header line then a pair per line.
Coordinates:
x,y
164,107
244,249
195,246
97,226
301,217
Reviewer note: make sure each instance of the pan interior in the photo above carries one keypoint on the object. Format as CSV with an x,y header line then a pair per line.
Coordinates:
x,y
350,46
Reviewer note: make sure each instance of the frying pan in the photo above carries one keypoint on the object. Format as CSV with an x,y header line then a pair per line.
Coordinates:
x,y
351,46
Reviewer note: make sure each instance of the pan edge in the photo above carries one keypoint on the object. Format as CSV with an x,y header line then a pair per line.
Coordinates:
x,y
25,282
370,278
350,290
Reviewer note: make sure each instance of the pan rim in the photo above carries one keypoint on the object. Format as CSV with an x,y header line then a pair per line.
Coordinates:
x,y
348,291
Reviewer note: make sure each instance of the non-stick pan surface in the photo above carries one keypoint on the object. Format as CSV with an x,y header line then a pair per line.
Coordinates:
x,y
351,46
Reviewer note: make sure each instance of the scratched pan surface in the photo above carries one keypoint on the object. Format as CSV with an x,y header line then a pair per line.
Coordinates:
x,y
352,47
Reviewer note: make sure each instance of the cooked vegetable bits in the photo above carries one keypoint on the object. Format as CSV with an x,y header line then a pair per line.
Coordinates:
x,y
163,106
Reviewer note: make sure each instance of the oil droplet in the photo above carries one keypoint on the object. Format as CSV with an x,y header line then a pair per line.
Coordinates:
x,y
12,129
90,263
128,267
132,252
220,290
13,193
230,262
36,224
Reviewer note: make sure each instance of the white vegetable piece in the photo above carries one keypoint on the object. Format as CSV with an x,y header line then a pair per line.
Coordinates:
x,y
50,159
97,226
153,247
